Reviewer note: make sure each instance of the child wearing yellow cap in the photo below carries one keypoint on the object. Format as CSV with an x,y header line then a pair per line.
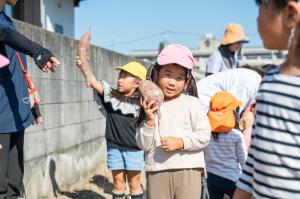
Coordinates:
x,y
120,106
225,57
226,152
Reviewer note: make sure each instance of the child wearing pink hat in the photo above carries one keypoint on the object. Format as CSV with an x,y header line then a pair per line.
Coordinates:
x,y
174,139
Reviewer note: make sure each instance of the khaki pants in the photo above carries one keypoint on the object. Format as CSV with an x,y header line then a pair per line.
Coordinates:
x,y
174,184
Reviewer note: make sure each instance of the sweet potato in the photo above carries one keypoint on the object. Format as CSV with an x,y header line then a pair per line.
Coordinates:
x,y
151,91
83,57
83,46
85,39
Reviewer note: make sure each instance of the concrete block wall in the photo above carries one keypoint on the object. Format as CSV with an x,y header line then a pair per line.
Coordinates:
x,y
70,143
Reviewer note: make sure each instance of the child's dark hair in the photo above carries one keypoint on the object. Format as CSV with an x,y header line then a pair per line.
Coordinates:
x,y
256,69
278,3
261,70
215,135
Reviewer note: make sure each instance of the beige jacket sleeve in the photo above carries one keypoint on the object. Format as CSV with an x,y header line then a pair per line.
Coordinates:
x,y
146,136
199,136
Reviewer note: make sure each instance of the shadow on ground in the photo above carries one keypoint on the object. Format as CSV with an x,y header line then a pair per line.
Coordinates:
x,y
83,194
102,182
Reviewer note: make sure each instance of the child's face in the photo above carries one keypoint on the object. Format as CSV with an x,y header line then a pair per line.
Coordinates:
x,y
171,80
271,26
127,83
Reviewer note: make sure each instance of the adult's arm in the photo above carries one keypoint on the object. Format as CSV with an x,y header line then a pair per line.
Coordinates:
x,y
22,44
214,64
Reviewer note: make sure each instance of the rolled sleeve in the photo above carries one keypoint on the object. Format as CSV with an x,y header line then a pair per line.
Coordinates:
x,y
187,143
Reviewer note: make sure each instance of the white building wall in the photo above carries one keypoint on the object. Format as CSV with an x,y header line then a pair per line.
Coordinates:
x,y
59,12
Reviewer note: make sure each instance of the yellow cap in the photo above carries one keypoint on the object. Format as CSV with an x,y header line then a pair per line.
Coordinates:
x,y
135,69
234,33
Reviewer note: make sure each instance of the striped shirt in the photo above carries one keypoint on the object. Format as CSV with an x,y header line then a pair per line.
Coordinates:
x,y
226,155
272,169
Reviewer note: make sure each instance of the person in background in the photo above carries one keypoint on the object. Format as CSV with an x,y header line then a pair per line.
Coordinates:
x,y
226,56
243,83
120,107
15,114
273,164
226,153
246,122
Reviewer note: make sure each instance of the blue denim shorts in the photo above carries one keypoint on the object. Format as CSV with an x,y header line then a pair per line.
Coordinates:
x,y
118,159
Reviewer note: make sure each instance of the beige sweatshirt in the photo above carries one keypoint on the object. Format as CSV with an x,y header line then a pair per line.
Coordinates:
x,y
183,118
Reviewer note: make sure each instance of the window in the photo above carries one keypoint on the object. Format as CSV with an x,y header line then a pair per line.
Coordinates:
x,y
59,29
279,55
251,56
266,56
207,43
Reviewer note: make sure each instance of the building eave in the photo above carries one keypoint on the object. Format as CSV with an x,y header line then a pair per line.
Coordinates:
x,y
76,2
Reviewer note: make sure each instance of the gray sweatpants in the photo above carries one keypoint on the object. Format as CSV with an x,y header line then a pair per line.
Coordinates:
x,y
174,184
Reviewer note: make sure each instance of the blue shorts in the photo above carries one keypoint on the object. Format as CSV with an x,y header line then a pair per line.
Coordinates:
x,y
118,159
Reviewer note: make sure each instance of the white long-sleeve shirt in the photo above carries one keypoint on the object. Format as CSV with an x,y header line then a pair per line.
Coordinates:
x,y
183,118
240,82
226,155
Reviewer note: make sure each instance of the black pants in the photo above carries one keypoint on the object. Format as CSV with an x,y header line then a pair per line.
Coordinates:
x,y
11,164
219,186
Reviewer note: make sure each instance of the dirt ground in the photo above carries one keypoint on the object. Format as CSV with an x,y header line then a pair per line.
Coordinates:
x,y
96,186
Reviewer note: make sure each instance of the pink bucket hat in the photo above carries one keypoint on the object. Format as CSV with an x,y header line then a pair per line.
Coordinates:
x,y
176,54
3,61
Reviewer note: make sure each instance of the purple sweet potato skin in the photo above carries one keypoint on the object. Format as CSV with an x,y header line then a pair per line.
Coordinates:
x,y
151,91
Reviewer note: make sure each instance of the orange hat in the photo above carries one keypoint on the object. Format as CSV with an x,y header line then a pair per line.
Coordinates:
x,y
221,115
234,33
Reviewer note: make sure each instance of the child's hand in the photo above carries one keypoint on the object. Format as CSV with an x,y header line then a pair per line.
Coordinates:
x,y
150,109
89,78
170,144
78,61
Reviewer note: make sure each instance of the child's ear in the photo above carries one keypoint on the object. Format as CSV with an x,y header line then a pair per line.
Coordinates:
x,y
291,14
137,83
